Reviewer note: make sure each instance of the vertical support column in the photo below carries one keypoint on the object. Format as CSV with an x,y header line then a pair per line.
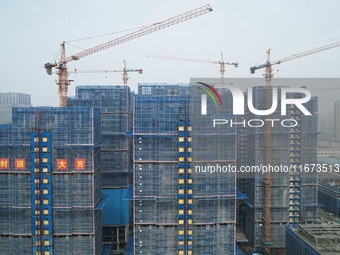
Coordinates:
x,y
189,188
295,167
42,229
185,198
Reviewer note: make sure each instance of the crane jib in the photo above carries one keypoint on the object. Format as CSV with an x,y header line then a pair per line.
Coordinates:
x,y
62,73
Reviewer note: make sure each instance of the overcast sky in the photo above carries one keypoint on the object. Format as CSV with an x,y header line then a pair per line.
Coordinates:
x,y
243,30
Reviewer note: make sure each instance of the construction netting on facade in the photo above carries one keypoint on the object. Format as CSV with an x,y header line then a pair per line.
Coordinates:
x,y
157,111
51,166
293,144
115,103
214,155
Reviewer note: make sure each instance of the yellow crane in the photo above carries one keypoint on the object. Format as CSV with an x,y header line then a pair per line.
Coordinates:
x,y
61,65
219,62
268,76
125,72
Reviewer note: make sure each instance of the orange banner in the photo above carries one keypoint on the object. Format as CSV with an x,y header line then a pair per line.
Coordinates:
x,y
4,163
62,164
20,164
80,163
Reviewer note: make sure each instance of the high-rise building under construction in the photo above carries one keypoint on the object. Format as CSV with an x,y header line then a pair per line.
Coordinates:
x,y
56,162
179,207
115,103
293,193
50,201
10,100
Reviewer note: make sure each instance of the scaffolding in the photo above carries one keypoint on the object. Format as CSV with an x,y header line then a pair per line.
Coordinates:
x,y
176,210
155,158
162,89
115,103
214,193
293,193
53,176
313,239
10,100
329,195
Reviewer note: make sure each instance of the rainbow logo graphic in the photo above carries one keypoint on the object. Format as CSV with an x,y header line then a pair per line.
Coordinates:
x,y
211,91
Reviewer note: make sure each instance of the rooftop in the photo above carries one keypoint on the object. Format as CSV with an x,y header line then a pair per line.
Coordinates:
x,y
325,238
329,160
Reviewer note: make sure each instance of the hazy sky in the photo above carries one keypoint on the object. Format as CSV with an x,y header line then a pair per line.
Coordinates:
x,y
243,30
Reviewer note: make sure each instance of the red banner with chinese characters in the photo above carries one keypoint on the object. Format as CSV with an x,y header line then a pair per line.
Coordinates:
x,y
20,164
4,163
80,163
62,164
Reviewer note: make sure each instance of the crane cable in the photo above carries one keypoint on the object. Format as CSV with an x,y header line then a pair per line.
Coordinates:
x,y
301,45
92,37
56,55
102,35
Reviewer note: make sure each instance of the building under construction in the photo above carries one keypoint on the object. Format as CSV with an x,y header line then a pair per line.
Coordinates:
x,y
179,207
313,239
50,201
329,195
10,100
293,195
115,103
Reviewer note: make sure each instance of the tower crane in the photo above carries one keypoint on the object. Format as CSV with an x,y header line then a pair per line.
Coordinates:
x,y
124,71
219,62
61,66
268,76
269,63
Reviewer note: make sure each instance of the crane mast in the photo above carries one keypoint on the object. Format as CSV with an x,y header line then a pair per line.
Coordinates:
x,y
268,141
62,81
268,76
62,72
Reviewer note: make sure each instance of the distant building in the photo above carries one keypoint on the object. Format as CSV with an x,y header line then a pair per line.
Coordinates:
x,y
337,121
313,239
328,152
329,195
329,185
10,100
